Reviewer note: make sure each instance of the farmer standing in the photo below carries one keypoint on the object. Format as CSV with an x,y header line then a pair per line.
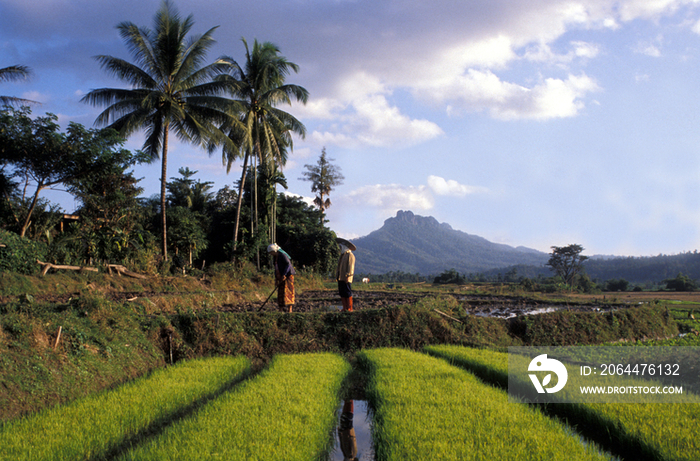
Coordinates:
x,y
346,432
284,276
345,272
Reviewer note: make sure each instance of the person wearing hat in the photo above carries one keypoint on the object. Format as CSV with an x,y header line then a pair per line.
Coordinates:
x,y
345,272
284,276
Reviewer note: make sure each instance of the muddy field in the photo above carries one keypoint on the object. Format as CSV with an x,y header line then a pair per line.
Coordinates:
x,y
329,301
491,306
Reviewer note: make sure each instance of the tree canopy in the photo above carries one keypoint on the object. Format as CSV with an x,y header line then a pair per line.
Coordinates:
x,y
35,151
170,90
567,262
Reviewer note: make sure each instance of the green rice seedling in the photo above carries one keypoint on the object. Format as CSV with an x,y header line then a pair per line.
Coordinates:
x,y
428,409
98,426
641,430
287,412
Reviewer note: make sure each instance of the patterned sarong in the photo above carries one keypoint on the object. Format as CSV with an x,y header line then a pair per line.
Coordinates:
x,y
285,293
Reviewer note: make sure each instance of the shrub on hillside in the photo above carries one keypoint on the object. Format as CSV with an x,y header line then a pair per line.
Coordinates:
x,y
20,254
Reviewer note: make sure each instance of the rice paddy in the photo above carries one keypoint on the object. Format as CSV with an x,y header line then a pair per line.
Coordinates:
x,y
647,430
285,413
428,409
98,426
447,404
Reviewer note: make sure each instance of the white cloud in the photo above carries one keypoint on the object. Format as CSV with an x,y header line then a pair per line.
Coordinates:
x,y
389,198
649,9
450,187
495,52
542,52
552,98
308,200
367,118
650,50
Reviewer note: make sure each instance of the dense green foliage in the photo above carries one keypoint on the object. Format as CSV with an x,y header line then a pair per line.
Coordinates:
x,y
567,262
681,283
19,254
112,225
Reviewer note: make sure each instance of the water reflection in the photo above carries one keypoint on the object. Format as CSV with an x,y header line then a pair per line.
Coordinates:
x,y
354,433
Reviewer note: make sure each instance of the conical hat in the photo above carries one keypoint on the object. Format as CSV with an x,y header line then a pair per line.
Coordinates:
x,y
347,243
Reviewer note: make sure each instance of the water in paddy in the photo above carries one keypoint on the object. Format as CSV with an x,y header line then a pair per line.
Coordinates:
x,y
353,436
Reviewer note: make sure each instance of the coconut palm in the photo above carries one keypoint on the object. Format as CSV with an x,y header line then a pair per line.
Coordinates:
x,y
170,90
265,131
11,74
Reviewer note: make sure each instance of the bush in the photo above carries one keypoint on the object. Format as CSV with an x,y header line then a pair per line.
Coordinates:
x,y
20,254
450,276
681,283
617,285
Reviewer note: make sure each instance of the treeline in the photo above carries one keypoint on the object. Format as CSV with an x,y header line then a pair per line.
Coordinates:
x,y
113,224
550,283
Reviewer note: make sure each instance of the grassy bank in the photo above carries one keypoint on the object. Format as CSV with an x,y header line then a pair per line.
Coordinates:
x,y
101,344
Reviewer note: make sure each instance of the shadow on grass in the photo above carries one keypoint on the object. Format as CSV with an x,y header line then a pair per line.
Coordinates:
x,y
160,425
583,420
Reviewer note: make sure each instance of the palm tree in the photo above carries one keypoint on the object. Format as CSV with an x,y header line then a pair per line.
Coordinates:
x,y
11,74
264,132
170,90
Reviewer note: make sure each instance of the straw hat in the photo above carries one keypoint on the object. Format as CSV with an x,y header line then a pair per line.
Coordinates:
x,y
347,243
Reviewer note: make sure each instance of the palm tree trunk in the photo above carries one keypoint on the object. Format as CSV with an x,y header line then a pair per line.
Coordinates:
x,y
273,226
163,179
254,228
239,205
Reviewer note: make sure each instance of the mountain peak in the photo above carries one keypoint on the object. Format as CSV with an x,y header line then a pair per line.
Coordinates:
x,y
412,243
416,220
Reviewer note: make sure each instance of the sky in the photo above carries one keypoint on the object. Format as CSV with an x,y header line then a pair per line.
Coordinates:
x,y
533,123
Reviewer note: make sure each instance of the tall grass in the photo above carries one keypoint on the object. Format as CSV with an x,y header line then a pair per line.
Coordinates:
x,y
285,413
636,430
97,426
428,409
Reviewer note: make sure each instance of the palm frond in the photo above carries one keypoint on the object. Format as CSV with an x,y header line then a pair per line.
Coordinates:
x,y
14,73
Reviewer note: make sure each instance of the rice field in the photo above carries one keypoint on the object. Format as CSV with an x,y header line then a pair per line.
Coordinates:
x,y
287,412
98,426
426,408
448,403
649,430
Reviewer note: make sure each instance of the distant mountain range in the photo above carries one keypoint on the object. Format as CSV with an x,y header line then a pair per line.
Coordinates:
x,y
417,244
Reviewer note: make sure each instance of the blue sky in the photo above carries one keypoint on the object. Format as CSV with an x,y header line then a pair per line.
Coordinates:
x,y
533,123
